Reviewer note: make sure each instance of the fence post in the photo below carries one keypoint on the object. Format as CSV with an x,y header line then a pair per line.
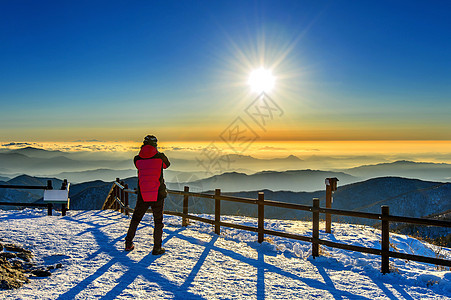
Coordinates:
x,y
122,198
331,186
63,209
126,200
185,207
217,211
50,205
328,205
63,205
385,243
113,200
315,229
261,216
116,195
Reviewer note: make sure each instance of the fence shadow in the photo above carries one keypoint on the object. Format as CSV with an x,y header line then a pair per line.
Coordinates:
x,y
134,269
107,245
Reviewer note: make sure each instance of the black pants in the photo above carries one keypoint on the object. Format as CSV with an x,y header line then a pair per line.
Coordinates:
x,y
140,210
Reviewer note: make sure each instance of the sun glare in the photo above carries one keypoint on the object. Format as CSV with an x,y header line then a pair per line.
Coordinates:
x,y
261,80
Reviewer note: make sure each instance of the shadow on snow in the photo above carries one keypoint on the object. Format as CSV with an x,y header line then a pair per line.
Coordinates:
x,y
140,268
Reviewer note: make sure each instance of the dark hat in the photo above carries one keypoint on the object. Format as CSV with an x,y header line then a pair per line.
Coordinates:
x,y
150,140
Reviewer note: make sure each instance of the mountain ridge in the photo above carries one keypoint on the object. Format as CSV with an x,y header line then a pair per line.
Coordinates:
x,y
405,197
294,180
404,168
60,164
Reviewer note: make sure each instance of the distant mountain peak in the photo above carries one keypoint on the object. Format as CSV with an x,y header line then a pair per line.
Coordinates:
x,y
231,174
240,156
249,157
33,151
29,149
409,162
23,176
404,162
401,163
293,157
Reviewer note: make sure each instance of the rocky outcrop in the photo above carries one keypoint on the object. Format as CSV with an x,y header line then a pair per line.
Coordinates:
x,y
11,275
14,261
16,266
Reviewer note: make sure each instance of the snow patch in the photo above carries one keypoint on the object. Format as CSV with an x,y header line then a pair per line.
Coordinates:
x,y
199,264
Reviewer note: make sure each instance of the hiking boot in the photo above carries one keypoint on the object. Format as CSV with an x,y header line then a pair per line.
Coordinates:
x,y
158,251
129,246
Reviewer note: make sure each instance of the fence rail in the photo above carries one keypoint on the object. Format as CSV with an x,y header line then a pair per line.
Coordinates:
x,y
48,205
117,199
29,187
47,187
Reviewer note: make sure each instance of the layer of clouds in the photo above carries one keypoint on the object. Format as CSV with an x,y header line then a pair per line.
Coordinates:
x,y
14,144
270,148
176,148
312,158
73,147
87,141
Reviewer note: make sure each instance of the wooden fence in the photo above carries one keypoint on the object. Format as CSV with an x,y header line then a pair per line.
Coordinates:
x,y
49,205
117,199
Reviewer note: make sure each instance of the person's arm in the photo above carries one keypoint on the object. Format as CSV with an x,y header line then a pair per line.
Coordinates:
x,y
135,160
165,160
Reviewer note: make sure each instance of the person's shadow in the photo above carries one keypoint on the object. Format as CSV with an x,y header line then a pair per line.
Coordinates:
x,y
182,288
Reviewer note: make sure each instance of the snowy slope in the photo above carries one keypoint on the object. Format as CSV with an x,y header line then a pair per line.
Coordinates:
x,y
201,265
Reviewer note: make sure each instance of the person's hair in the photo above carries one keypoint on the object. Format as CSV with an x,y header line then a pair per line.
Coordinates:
x,y
150,140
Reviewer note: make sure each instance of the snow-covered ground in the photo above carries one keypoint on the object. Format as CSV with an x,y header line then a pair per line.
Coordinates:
x,y
199,264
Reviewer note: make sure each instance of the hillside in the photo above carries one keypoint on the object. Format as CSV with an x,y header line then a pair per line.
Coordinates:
x,y
412,197
86,166
432,234
25,195
199,264
87,195
406,197
234,162
97,174
37,152
35,161
31,180
4,178
111,174
421,170
293,180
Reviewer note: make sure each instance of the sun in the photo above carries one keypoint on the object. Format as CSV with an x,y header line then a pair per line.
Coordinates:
x,y
261,80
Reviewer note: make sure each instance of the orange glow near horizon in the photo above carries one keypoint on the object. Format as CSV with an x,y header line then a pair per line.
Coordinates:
x,y
430,151
338,146
335,147
316,154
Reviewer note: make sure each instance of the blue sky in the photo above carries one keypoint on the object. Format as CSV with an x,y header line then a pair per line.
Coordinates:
x,y
112,70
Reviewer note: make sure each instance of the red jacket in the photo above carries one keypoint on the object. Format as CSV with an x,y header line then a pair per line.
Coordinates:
x,y
150,164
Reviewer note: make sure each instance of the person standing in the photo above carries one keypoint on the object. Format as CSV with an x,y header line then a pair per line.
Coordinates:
x,y
151,192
